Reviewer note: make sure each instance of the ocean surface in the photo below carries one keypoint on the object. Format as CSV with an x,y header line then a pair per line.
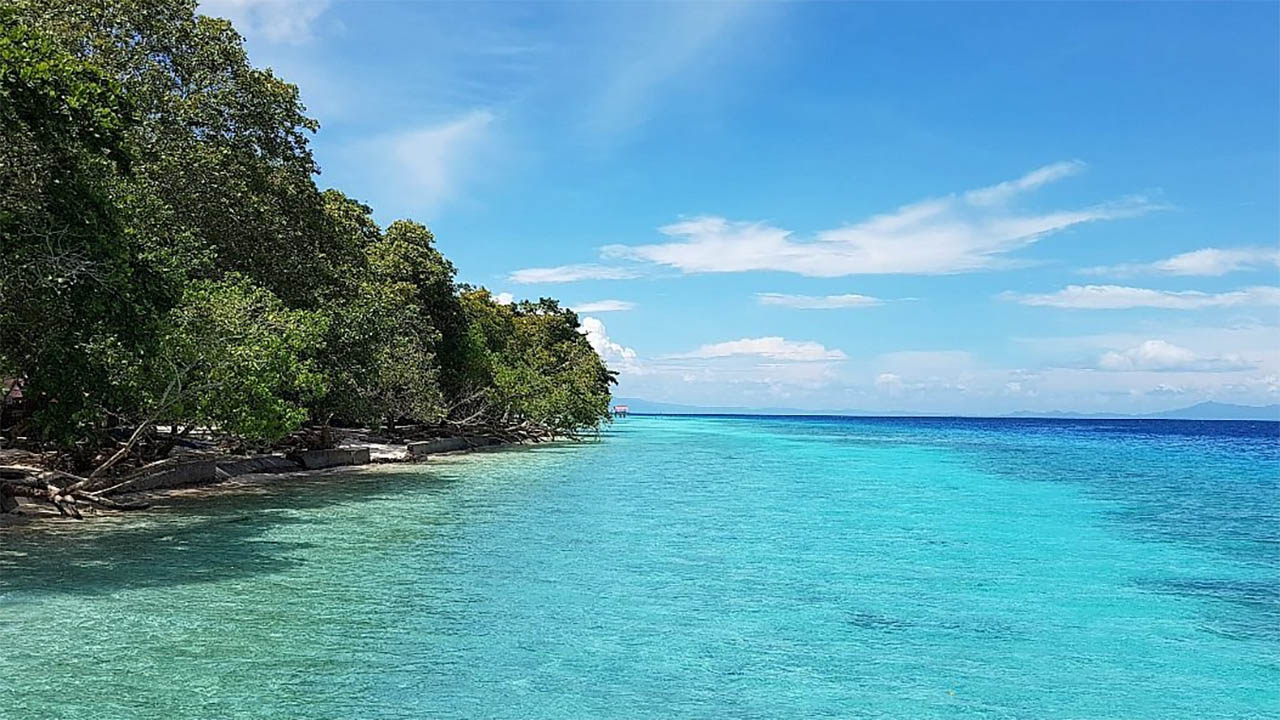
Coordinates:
x,y
686,567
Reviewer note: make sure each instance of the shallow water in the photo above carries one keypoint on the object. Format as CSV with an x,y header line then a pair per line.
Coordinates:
x,y
687,567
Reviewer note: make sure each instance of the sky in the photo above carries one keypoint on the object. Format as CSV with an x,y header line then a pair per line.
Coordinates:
x,y
942,208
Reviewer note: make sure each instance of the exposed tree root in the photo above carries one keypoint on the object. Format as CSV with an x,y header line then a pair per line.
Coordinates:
x,y
68,492
62,490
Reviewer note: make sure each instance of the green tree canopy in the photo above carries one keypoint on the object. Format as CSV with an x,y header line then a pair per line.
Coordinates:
x,y
77,306
169,259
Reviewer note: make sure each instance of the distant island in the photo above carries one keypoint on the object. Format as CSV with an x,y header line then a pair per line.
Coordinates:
x,y
1199,411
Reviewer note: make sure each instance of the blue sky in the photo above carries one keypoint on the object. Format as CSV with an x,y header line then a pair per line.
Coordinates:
x,y
938,208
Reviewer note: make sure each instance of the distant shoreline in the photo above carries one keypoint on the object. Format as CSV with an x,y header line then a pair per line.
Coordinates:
x,y
1061,418
1200,411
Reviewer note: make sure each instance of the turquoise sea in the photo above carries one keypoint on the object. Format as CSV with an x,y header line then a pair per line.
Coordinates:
x,y
686,567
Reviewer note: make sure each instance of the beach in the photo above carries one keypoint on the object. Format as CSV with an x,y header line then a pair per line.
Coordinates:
x,y
209,471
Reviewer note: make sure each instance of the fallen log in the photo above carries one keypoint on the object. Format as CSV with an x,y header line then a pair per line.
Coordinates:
x,y
20,481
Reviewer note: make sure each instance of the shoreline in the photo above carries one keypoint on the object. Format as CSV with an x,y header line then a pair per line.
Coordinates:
x,y
214,475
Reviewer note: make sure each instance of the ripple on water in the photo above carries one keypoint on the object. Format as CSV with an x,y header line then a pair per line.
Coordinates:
x,y
686,567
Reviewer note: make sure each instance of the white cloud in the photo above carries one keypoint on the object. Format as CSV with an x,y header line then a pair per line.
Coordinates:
x,y
617,356
1164,356
957,233
773,348
1005,191
928,372
571,273
1254,338
1207,261
604,306
811,302
888,381
1116,297
504,298
1055,373
283,21
1138,390
957,382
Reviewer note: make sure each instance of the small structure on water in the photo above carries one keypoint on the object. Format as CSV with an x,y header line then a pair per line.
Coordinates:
x,y
621,410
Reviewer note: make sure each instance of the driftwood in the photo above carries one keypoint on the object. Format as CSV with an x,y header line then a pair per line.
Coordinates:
x,y
471,417
63,490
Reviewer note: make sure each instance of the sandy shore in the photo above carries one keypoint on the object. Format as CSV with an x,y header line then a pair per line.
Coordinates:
x,y
382,457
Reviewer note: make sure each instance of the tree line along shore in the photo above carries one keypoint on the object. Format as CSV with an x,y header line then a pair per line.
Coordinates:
x,y
171,275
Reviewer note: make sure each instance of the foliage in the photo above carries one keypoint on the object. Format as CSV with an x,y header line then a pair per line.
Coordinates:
x,y
237,360
379,354
223,178
76,305
535,364
170,260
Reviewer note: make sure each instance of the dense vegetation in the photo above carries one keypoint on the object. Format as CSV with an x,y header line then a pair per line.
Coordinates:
x,y
169,263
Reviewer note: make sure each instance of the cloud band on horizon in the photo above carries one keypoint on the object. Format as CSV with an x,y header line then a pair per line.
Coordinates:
x,y
1118,297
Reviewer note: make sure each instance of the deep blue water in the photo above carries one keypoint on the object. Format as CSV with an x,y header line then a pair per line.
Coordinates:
x,y
700,567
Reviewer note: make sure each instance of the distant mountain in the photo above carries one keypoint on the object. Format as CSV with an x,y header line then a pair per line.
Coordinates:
x,y
1223,411
1202,411
1066,415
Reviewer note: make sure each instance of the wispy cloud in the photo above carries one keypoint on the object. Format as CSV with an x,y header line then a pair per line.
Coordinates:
x,y
818,302
1006,191
282,21
1207,262
1159,355
958,233
433,159
647,52
604,306
773,348
1118,297
420,169
571,273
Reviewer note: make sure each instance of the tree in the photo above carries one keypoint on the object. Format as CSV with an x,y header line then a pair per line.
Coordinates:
x,y
236,359
536,372
77,308
220,185
168,262
407,254
223,176
379,356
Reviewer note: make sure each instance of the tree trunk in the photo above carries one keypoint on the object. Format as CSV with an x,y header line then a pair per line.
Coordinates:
x,y
38,484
